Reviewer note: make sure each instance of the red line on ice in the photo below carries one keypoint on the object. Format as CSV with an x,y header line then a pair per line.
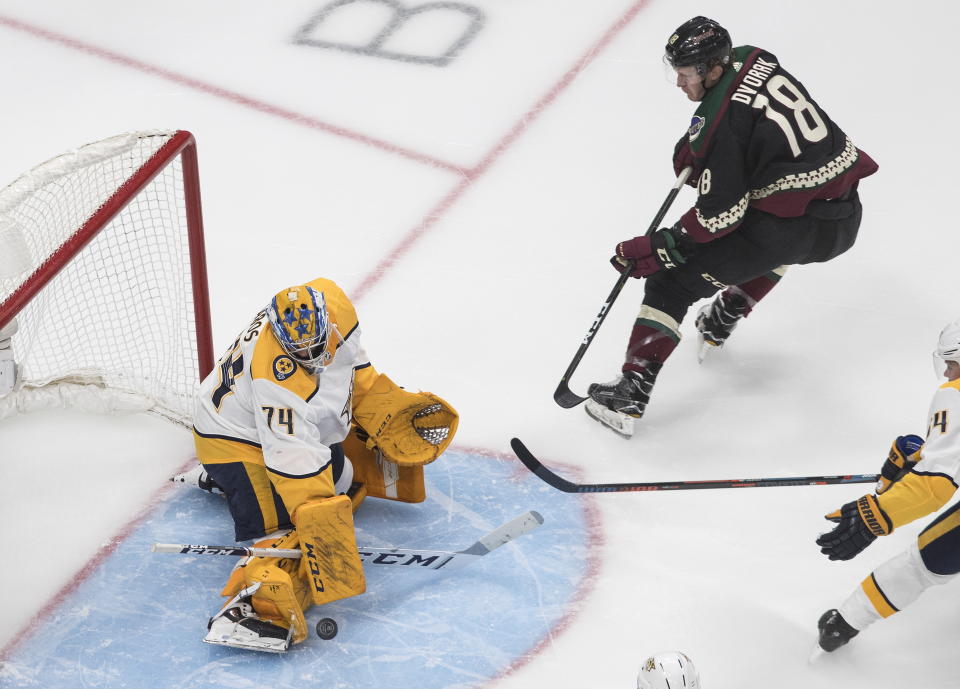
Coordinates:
x,y
471,175
226,94
89,568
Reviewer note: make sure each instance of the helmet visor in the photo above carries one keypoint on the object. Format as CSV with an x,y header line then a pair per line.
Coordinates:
x,y
945,369
682,76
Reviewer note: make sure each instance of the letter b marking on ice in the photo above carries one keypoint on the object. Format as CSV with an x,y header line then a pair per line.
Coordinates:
x,y
461,21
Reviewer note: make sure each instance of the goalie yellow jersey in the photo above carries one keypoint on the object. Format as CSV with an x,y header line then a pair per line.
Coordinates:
x,y
269,428
934,479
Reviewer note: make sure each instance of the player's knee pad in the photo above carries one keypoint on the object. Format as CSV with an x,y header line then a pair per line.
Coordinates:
x,y
330,564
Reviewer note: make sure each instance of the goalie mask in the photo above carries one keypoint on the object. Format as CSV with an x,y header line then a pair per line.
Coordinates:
x,y
298,316
948,350
668,670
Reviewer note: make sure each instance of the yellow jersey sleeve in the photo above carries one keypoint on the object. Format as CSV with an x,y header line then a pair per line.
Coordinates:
x,y
915,496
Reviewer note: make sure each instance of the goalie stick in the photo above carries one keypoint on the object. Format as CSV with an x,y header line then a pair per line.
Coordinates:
x,y
560,483
403,557
563,395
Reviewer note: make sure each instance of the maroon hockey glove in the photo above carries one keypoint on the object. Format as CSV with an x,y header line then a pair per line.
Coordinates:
x,y
858,525
663,250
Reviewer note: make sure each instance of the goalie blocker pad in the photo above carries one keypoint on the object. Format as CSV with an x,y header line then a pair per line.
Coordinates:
x,y
409,428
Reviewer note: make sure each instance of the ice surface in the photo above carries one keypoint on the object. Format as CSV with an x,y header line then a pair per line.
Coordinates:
x,y
470,209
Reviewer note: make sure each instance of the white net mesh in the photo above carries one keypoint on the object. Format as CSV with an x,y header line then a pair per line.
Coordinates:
x,y
120,314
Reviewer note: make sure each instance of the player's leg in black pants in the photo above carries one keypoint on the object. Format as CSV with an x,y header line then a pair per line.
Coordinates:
x,y
746,264
741,261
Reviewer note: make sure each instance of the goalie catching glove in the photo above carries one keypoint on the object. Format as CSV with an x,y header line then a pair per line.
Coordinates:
x,y
409,428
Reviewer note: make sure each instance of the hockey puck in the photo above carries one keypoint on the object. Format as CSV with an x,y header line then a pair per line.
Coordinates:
x,y
326,628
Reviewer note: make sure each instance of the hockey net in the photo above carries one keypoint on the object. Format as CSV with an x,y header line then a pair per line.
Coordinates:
x,y
103,278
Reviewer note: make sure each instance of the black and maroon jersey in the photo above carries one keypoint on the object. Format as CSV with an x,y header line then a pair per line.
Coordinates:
x,y
759,140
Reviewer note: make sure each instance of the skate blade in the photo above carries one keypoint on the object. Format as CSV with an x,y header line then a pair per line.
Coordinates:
x,y
706,350
618,422
816,654
248,645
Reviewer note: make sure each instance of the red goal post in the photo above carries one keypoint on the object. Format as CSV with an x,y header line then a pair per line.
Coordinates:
x,y
103,278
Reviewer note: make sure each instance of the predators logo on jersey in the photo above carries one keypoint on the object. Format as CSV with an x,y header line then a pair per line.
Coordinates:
x,y
283,367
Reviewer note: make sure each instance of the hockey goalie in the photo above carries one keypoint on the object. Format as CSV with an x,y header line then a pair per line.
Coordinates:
x,y
296,427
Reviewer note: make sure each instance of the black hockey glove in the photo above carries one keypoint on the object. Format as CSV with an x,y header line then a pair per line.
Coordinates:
x,y
665,249
858,525
902,458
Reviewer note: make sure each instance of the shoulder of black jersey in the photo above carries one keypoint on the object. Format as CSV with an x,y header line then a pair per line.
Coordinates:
x,y
729,91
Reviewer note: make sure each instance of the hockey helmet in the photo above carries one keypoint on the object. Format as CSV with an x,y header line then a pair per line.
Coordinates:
x,y
668,670
948,347
298,316
701,43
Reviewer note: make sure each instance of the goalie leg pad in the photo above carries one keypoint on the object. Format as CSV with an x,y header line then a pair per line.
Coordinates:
x,y
331,560
380,477
277,601
282,592
409,428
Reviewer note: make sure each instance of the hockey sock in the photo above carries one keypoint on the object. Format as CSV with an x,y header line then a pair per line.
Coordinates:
x,y
654,337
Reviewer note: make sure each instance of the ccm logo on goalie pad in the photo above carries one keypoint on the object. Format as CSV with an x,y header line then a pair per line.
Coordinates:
x,y
313,566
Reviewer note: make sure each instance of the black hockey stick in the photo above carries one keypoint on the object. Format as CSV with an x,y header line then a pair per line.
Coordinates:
x,y
563,395
560,483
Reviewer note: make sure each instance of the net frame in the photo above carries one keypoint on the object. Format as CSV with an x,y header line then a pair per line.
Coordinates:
x,y
171,147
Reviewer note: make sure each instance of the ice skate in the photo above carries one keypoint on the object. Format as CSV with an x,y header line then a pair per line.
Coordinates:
x,y
619,403
834,631
239,626
715,322
197,476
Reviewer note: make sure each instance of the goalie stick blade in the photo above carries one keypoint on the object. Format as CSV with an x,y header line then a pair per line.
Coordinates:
x,y
562,484
505,533
566,397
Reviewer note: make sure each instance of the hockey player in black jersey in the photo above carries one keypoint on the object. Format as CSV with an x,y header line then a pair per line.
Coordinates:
x,y
777,185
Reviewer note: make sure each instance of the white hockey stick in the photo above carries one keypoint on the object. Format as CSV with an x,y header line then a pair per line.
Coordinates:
x,y
402,557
